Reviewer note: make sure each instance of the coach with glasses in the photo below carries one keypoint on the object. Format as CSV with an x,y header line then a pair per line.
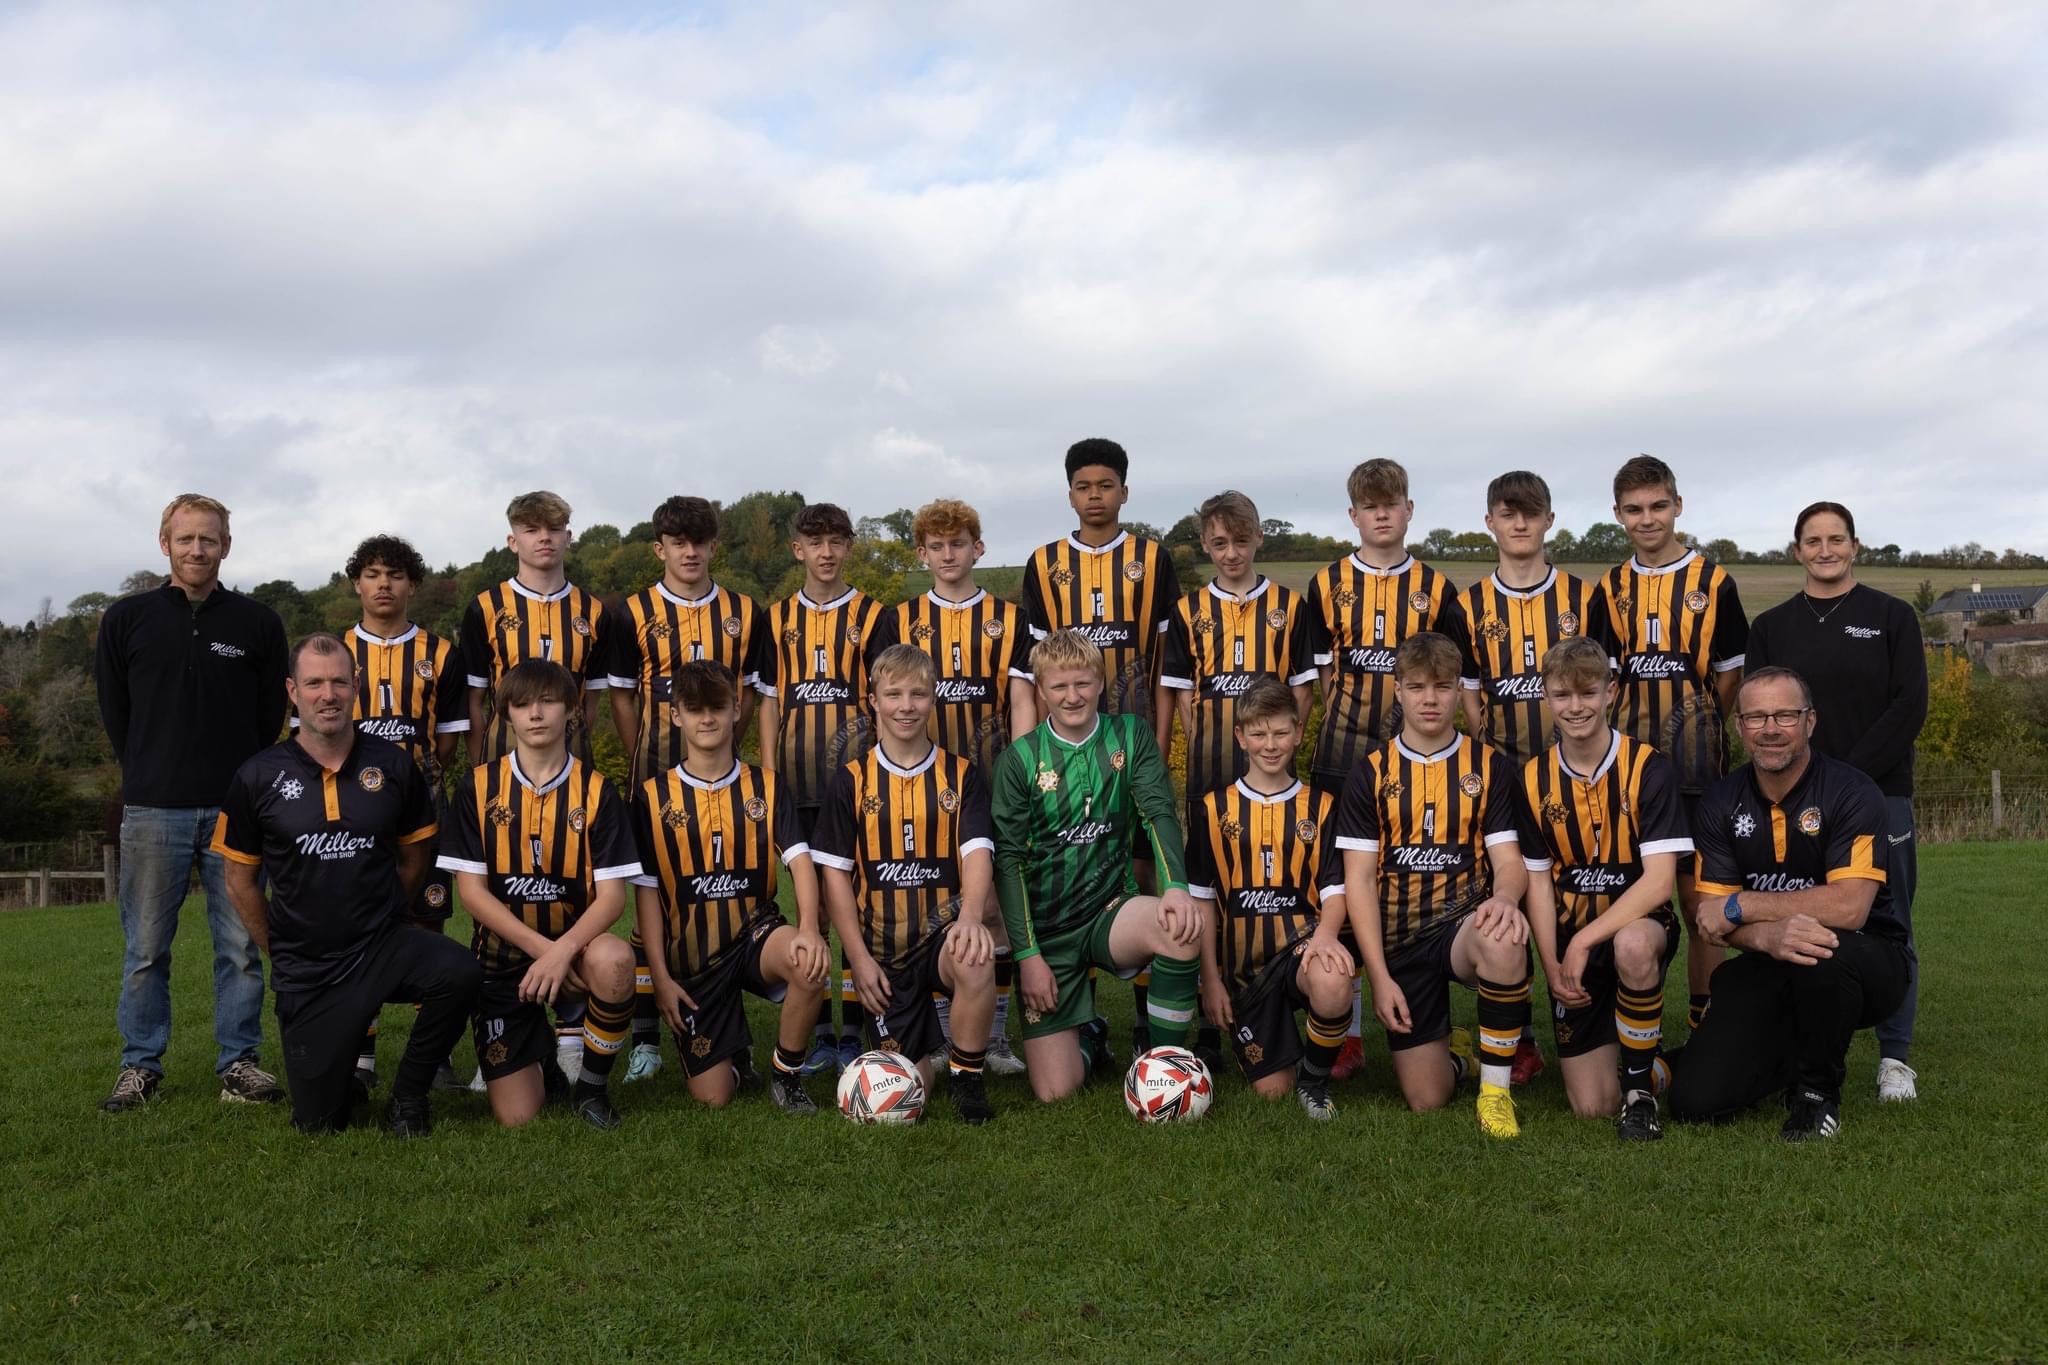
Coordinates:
x,y
1792,872
190,679
1860,651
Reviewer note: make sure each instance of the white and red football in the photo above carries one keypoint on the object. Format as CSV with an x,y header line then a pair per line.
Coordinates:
x,y
881,1087
1168,1085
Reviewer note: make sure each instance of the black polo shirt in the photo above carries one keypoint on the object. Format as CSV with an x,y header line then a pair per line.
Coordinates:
x,y
328,841
188,690
1830,827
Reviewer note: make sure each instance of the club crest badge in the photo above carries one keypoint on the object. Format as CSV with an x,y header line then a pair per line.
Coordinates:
x,y
1230,829
791,638
1745,825
424,670
1391,789
700,1046
870,804
1254,1054
1134,570
371,779
1554,812
1418,601
949,800
508,621
921,632
1344,599
853,635
1495,629
1276,619
1305,830
576,819
498,813
1062,577
1809,820
660,630
1567,624
1471,783
757,809
1695,600
580,624
1116,760
674,816
992,629
732,627
437,896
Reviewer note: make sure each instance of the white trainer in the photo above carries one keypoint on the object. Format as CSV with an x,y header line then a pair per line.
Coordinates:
x,y
1895,1081
1001,1060
642,1062
569,1056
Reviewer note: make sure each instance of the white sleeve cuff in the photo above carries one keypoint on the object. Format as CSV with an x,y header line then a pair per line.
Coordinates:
x,y
451,727
976,845
596,684
1728,665
1202,893
652,884
623,872
1334,889
1469,684
793,852
1536,864
833,861
1323,660
1679,846
1178,684
1306,676
475,681
1020,673
765,689
1345,841
1506,836
452,864
1036,633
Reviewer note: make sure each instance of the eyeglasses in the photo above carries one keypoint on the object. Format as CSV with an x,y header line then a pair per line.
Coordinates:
x,y
1783,720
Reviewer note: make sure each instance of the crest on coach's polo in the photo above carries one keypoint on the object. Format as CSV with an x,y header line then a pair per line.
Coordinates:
x,y
1809,820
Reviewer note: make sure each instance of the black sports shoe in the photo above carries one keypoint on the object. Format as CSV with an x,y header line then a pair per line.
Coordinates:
x,y
555,1083
788,1093
595,1109
1095,1049
970,1097
743,1070
1141,1038
1209,1047
1639,1121
408,1116
1810,1116
1314,1094
133,1088
244,1082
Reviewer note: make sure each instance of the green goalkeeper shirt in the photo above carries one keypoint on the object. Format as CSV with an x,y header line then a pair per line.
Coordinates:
x,y
1065,817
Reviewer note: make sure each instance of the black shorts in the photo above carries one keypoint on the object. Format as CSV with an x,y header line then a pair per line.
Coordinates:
x,y
1262,1031
1423,972
911,1025
1591,1026
717,1029
512,1034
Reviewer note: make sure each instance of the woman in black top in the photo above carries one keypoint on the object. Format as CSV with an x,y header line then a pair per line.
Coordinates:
x,y
1860,651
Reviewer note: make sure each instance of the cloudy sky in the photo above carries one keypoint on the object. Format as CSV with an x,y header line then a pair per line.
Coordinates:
x,y
378,266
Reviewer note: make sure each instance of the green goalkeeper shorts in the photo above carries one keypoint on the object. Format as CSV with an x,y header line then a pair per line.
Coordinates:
x,y
1073,954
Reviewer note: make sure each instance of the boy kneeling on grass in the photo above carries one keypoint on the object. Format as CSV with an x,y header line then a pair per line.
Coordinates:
x,y
1067,798
906,829
710,832
541,854
1263,851
1433,883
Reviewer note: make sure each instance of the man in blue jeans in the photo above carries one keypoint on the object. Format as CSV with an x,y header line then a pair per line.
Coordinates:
x,y
191,684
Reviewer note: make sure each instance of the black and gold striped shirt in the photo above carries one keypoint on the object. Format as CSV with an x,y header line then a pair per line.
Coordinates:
x,y
657,632
541,847
1431,819
1673,629
1589,832
1119,595
1267,862
1217,646
1358,615
1512,629
817,669
511,623
902,834
710,848
981,650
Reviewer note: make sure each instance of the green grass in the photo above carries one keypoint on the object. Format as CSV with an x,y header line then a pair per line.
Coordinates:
x,y
196,1230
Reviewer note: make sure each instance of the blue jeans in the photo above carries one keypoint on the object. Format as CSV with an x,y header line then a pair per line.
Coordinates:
x,y
1902,875
159,845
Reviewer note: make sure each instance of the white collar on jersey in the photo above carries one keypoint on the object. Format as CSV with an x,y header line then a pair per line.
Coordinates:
x,y
519,775
1081,743
950,605
1376,572
370,637
1252,596
709,592
1121,537
557,595
701,785
1439,756
1245,790
1673,567
1613,748
1524,593
836,602
924,764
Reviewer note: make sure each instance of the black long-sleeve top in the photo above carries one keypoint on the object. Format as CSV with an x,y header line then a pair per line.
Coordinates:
x,y
188,691
1861,654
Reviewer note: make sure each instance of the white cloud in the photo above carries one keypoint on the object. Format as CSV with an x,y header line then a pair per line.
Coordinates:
x,y
349,286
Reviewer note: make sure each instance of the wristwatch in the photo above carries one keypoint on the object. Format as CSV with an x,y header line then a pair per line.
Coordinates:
x,y
1732,909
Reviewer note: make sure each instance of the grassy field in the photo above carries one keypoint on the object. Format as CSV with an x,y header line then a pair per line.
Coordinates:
x,y
1762,585
194,1230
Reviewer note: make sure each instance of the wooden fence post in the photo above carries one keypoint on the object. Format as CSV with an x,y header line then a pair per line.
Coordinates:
x,y
43,887
109,872
1997,802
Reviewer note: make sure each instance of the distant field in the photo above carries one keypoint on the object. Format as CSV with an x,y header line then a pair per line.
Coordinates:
x,y
1762,585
